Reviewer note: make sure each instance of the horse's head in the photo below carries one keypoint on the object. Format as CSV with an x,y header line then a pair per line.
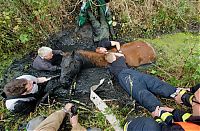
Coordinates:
x,y
69,68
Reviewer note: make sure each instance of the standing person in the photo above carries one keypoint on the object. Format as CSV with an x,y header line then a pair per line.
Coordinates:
x,y
101,32
48,59
104,5
22,93
142,87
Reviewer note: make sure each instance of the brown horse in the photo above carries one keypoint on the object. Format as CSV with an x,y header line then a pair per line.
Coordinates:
x,y
136,53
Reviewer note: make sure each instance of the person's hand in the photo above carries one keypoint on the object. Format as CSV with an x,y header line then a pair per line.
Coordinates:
x,y
156,112
178,98
68,107
64,53
101,50
42,79
74,120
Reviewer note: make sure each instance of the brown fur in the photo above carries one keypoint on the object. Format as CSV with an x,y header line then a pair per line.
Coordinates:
x,y
136,53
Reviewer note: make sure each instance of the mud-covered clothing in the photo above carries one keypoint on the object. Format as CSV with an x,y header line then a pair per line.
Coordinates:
x,y
49,65
145,123
140,86
53,122
100,28
24,104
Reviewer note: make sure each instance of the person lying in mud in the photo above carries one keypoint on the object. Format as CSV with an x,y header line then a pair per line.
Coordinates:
x,y
23,93
183,121
48,59
53,122
143,88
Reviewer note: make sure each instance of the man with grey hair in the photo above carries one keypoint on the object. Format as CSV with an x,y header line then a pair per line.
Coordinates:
x,y
48,59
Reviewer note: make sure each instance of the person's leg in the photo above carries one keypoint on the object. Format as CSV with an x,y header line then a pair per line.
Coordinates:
x,y
83,5
142,124
136,88
82,18
158,86
96,26
105,15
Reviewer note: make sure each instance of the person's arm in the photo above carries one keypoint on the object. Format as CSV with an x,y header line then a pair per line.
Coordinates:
x,y
52,122
119,54
42,79
48,66
57,52
180,115
117,44
28,77
41,64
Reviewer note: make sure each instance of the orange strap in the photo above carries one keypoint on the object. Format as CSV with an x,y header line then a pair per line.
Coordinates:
x,y
188,126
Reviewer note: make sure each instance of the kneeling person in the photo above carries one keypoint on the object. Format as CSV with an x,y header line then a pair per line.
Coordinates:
x,y
48,59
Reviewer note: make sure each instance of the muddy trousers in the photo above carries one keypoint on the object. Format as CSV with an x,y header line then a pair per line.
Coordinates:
x,y
143,88
142,124
100,28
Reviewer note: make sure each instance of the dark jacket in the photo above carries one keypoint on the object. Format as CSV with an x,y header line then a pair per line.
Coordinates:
x,y
178,117
49,65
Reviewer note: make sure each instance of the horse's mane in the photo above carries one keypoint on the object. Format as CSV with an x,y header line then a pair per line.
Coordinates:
x,y
95,58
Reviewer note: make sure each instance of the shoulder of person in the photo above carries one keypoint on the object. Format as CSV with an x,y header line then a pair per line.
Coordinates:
x,y
28,77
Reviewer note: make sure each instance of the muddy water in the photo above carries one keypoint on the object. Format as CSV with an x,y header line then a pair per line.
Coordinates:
x,y
69,40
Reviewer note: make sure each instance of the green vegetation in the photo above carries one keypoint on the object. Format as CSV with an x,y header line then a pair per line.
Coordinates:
x,y
25,24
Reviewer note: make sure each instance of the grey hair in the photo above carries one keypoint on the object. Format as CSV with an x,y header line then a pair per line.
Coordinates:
x,y
43,51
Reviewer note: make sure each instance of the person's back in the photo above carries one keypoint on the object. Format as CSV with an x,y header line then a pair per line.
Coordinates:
x,y
47,59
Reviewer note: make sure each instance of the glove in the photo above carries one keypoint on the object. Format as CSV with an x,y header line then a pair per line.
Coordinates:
x,y
195,88
180,115
186,97
166,117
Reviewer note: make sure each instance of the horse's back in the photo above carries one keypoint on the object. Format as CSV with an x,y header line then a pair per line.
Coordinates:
x,y
138,53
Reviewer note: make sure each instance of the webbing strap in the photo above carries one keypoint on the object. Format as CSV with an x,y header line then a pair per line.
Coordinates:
x,y
101,105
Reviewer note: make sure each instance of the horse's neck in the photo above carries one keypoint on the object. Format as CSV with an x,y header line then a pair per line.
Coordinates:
x,y
93,58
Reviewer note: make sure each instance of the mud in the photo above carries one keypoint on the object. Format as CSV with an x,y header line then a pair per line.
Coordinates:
x,y
69,40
